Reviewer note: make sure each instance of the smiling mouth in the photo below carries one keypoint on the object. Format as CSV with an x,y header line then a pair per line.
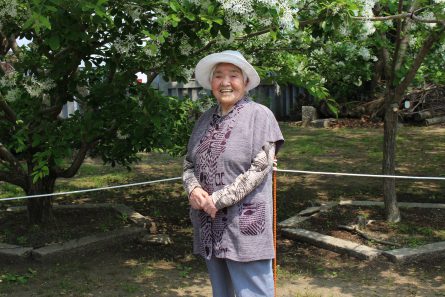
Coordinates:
x,y
226,91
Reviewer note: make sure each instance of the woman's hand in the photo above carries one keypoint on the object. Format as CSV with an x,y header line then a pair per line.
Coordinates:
x,y
197,198
209,207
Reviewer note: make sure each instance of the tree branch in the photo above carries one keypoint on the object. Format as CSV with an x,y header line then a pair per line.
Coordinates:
x,y
151,76
428,43
14,46
7,156
403,15
384,18
241,38
78,160
386,61
9,113
401,41
6,176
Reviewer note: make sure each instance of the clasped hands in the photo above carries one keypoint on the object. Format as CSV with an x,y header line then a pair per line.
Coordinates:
x,y
201,200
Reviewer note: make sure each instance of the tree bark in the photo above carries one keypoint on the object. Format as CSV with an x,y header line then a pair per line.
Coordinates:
x,y
40,209
389,155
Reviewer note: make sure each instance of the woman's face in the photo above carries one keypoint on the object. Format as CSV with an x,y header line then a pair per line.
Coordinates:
x,y
228,85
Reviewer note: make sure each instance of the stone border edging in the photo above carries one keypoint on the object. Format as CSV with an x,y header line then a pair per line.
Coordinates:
x,y
334,244
14,253
56,251
289,228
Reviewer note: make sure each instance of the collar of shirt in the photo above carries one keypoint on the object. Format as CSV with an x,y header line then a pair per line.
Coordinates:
x,y
218,110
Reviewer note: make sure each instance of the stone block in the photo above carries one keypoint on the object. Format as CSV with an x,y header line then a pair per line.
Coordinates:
x,y
308,113
14,253
292,222
427,251
334,244
59,250
323,123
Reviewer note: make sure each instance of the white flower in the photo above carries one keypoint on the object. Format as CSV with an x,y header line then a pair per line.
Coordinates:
x,y
188,73
235,25
389,23
412,41
35,88
368,5
151,51
8,8
344,31
12,95
368,28
245,8
364,53
126,45
185,48
83,91
9,79
429,16
133,11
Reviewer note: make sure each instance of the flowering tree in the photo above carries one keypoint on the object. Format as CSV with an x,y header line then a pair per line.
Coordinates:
x,y
406,32
394,45
88,51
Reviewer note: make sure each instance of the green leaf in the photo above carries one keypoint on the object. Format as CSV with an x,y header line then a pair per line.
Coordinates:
x,y
218,21
44,21
190,16
54,42
36,140
175,18
174,5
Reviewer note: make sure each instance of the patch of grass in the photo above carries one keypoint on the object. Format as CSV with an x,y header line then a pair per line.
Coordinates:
x,y
184,270
8,277
130,288
307,294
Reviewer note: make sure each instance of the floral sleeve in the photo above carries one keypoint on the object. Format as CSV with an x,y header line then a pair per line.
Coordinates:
x,y
189,179
247,181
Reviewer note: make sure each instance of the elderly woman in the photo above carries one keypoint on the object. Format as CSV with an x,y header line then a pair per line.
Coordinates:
x,y
227,175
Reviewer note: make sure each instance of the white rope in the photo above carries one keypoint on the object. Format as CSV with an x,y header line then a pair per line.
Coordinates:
x,y
91,190
362,175
275,169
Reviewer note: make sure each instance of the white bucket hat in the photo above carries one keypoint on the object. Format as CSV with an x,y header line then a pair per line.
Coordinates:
x,y
205,66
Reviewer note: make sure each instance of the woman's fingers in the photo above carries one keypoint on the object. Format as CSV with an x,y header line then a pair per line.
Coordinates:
x,y
197,198
209,207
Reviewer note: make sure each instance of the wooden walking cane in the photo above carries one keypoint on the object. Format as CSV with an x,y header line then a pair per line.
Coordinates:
x,y
274,190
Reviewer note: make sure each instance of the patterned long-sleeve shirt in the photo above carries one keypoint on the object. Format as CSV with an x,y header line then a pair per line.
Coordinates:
x,y
242,185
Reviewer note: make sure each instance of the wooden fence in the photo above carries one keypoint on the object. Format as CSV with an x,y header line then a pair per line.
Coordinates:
x,y
284,101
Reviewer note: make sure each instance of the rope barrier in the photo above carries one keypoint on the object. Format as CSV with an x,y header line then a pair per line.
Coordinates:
x,y
178,178
92,190
362,175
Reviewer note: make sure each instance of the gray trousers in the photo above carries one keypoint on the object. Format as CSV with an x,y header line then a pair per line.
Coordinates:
x,y
241,279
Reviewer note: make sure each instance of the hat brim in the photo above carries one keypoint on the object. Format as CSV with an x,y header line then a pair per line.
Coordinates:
x,y
205,66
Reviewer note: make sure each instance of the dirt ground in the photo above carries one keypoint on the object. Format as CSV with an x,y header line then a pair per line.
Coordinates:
x,y
138,269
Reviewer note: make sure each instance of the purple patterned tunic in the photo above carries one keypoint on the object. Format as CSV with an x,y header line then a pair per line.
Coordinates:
x,y
221,148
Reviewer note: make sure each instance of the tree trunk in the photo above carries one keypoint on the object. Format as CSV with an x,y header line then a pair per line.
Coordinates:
x,y
389,155
40,209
